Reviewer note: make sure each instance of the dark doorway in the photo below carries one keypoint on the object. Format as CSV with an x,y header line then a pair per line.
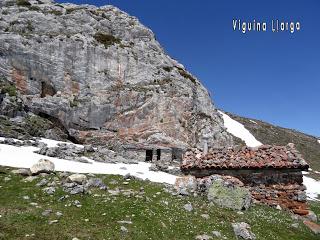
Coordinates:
x,y
158,154
47,89
149,155
177,154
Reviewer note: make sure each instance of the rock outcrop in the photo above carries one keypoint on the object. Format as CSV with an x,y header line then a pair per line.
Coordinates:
x,y
102,75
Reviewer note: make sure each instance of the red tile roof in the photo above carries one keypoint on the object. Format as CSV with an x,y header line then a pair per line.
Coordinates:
x,y
265,156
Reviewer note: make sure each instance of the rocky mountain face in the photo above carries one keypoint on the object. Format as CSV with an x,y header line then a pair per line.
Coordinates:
x,y
102,76
266,133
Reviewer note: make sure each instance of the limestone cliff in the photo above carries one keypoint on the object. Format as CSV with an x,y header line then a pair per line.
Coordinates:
x,y
103,76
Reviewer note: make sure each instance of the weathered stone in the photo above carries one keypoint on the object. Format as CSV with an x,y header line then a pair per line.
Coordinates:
x,y
100,91
42,182
242,230
42,166
216,234
184,185
225,194
22,172
188,207
203,237
49,190
96,183
77,178
314,227
311,216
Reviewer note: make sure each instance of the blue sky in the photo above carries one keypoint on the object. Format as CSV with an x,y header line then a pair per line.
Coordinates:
x,y
269,76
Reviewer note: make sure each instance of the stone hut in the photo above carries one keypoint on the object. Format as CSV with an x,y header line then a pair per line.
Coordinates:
x,y
272,173
153,152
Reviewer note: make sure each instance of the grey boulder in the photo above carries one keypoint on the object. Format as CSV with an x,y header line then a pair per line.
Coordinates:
x,y
42,166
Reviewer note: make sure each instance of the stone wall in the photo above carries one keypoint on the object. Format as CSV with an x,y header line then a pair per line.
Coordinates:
x,y
283,187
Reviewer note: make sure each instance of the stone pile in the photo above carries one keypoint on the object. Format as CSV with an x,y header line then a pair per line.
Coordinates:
x,y
78,153
288,196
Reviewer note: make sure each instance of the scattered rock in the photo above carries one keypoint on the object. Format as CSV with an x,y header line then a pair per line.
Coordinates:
x,y
124,229
188,207
77,189
22,172
42,182
49,190
42,166
314,227
216,234
53,221
96,183
185,184
124,222
59,214
205,216
77,203
203,237
29,179
311,216
77,178
243,230
46,213
295,225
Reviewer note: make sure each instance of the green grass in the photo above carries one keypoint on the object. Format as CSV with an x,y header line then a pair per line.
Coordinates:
x,y
151,217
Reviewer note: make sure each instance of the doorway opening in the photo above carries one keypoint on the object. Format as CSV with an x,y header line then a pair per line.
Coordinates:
x,y
149,155
158,154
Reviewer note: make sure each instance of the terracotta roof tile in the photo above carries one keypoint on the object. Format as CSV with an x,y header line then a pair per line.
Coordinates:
x,y
265,156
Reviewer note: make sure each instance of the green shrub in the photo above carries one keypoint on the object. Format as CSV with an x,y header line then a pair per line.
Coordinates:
x,y
167,69
29,26
70,10
35,8
23,3
75,102
10,89
185,74
106,39
55,12
36,126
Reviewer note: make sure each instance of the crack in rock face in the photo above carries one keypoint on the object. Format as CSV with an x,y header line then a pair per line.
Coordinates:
x,y
103,75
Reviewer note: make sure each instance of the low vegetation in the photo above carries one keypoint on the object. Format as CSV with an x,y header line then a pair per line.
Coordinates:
x,y
106,39
8,88
23,3
153,214
187,75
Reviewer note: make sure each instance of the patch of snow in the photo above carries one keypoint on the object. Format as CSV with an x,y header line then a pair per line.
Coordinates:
x,y
253,121
238,130
318,140
54,143
16,140
24,157
305,173
313,188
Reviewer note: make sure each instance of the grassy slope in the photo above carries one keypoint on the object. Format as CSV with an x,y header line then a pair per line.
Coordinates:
x,y
270,134
151,217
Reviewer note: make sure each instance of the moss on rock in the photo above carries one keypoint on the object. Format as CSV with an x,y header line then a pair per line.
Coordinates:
x,y
229,196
